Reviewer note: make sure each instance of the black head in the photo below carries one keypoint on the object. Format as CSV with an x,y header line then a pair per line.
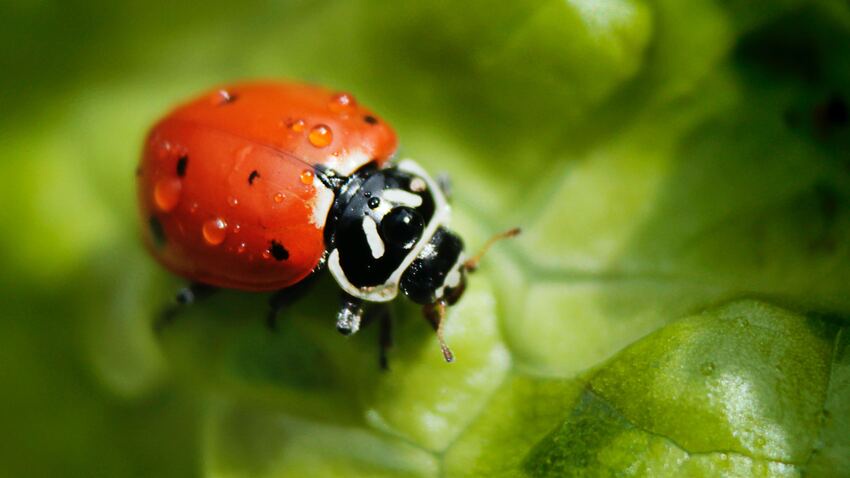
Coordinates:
x,y
385,232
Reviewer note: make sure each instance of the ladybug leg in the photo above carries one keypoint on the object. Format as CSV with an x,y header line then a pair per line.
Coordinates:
x,y
380,312
185,297
350,315
445,183
436,314
385,337
285,297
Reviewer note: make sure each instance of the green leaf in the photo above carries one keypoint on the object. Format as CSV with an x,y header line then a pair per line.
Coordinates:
x,y
744,389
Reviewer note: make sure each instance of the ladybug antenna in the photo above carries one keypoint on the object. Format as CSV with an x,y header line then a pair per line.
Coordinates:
x,y
471,264
329,177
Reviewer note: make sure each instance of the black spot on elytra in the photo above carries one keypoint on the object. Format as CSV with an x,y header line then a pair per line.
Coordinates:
x,y
157,232
278,251
251,177
370,119
182,162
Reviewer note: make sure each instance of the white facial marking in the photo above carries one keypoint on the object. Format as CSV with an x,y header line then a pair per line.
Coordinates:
x,y
376,245
452,279
417,185
400,196
321,204
346,164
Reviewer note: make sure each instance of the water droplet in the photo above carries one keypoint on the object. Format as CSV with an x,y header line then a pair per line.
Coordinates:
x,y
296,125
320,136
241,248
163,151
342,102
235,229
193,208
232,201
707,368
267,255
278,198
307,177
214,230
243,153
223,97
166,193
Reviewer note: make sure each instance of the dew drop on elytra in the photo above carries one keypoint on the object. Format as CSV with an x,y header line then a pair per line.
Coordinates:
x,y
320,136
166,193
214,231
296,125
342,103
306,177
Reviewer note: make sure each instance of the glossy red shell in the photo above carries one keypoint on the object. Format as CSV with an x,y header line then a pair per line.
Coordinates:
x,y
225,186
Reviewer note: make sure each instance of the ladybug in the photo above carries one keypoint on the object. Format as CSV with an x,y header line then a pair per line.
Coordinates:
x,y
259,186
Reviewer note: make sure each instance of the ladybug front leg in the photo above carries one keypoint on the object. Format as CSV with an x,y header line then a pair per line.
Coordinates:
x,y
350,315
385,337
381,313
185,297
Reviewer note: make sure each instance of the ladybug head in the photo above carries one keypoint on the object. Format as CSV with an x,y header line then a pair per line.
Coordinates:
x,y
386,232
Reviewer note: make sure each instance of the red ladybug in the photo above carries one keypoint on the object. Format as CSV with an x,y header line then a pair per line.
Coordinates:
x,y
257,186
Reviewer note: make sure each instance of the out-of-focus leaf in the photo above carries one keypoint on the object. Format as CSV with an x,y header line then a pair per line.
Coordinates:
x,y
254,442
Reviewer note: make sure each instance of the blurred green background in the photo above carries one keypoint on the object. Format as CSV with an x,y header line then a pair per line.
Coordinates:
x,y
677,305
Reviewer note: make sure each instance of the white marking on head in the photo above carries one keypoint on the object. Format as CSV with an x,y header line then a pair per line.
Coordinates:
x,y
376,245
417,185
400,196
321,204
347,164
452,279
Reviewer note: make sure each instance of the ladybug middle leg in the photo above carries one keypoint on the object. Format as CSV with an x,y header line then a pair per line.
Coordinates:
x,y
284,297
185,297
